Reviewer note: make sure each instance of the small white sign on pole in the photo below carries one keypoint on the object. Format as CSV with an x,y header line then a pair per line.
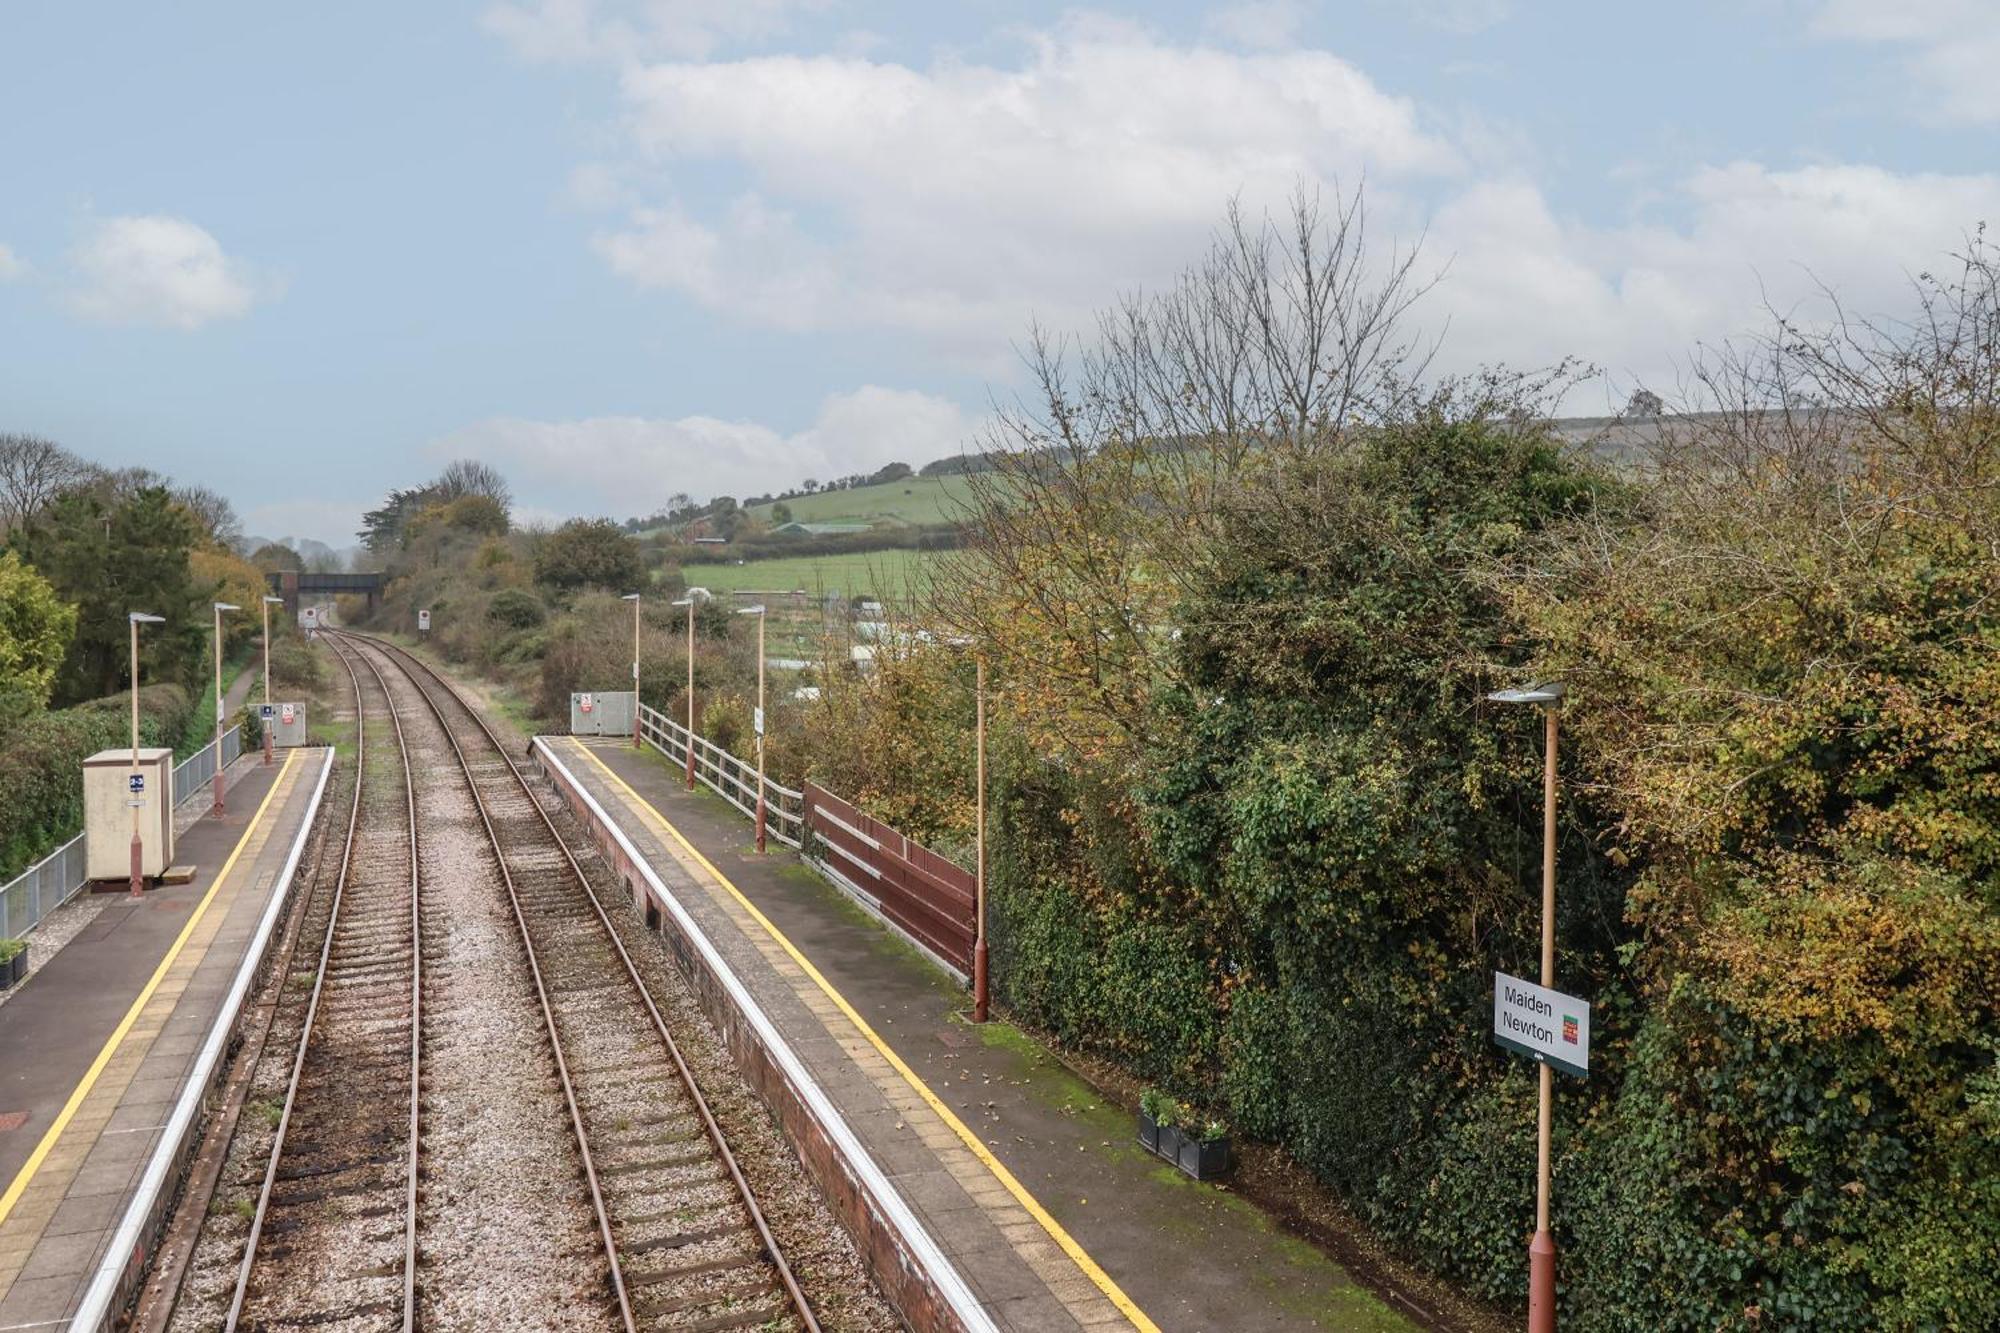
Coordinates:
x,y
423,622
757,715
1543,1024
586,702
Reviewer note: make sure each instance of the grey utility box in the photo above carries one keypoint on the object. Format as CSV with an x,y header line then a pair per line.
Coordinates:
x,y
113,789
597,713
287,723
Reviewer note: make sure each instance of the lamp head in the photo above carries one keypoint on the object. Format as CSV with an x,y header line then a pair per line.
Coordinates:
x,y
227,606
141,618
629,597
750,611
274,601
685,601
1549,694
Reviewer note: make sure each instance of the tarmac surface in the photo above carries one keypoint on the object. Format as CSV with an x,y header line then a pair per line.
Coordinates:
x,y
103,1037
1057,1218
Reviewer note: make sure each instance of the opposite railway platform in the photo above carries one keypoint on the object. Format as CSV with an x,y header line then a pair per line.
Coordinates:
x,y
108,1050
1028,1189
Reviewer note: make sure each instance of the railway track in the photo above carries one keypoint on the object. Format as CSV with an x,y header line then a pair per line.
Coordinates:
x,y
332,1239
685,1241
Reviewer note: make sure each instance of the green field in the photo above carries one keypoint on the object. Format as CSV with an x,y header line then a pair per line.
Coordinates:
x,y
881,574
914,500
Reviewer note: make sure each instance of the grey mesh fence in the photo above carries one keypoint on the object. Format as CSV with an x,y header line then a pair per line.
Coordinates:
x,y
53,880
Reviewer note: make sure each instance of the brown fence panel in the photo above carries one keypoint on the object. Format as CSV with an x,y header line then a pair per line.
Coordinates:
x,y
928,897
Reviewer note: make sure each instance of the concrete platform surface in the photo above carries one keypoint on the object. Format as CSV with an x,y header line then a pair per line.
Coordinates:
x,y
97,1048
1029,1181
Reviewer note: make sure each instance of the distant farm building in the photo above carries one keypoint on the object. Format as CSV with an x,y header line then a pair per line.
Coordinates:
x,y
818,529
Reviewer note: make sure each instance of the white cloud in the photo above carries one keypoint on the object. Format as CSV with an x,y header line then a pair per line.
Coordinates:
x,y
623,466
158,270
1261,25
960,198
1526,286
578,31
1953,49
12,266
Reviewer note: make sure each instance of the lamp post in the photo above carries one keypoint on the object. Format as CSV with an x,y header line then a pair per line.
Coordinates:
x,y
980,1001
633,598
688,602
758,611
220,607
136,619
265,728
1542,1249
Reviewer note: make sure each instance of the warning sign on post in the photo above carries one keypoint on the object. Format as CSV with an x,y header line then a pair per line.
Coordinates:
x,y
424,622
586,703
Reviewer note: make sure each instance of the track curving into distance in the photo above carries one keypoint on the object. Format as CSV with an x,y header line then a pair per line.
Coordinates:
x,y
686,1245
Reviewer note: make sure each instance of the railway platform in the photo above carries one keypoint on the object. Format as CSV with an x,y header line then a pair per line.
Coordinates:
x,y
987,1161
108,1051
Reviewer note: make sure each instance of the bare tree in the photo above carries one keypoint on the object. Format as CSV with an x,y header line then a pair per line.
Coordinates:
x,y
469,476
1106,491
212,511
33,471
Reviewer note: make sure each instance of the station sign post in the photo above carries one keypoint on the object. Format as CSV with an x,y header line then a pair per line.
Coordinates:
x,y
423,622
1544,1025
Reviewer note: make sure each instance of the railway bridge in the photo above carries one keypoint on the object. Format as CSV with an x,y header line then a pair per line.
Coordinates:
x,y
289,585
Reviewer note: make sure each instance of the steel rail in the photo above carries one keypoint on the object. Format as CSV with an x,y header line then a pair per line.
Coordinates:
x,y
800,1305
248,1263
171,1260
541,995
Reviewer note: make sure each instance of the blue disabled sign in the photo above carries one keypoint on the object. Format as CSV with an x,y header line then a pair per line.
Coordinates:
x,y
1542,1024
137,783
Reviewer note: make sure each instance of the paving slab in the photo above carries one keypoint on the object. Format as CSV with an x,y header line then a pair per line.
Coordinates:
x,y
1059,1219
103,1038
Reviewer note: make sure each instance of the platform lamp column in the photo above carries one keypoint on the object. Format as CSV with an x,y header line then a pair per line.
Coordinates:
x,y
265,728
633,598
979,992
220,607
137,618
688,602
1542,1249
758,611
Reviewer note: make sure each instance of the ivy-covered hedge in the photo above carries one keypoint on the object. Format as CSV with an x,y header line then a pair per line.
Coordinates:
x,y
41,782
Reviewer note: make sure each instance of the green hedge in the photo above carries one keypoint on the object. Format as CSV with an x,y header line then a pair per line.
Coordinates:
x,y
41,784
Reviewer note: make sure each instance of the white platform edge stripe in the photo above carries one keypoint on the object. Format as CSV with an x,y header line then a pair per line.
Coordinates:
x,y
95,1310
950,1285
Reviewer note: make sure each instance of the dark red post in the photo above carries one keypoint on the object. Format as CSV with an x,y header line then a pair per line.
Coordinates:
x,y
1542,1284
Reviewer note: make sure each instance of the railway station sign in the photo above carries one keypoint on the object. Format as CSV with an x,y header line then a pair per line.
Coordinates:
x,y
136,783
1542,1024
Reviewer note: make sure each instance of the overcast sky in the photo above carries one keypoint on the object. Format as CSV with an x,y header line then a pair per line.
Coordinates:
x,y
304,253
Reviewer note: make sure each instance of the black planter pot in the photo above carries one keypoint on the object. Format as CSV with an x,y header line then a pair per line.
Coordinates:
x,y
1170,1143
1149,1133
21,963
1204,1160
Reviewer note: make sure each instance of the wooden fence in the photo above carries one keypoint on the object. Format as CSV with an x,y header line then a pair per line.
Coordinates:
x,y
926,897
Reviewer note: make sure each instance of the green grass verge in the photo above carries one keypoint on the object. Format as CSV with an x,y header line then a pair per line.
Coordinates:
x,y
890,574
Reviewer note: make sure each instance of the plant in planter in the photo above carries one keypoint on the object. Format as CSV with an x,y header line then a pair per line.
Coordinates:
x,y
1205,1150
1156,1111
13,961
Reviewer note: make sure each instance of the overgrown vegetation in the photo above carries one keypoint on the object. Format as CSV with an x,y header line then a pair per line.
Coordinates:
x,y
1259,837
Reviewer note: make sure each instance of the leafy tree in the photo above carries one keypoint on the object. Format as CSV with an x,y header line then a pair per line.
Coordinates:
x,y
588,553
112,557
35,630
781,514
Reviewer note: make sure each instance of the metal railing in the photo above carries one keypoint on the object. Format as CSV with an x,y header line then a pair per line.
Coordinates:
x,y
198,769
731,778
57,877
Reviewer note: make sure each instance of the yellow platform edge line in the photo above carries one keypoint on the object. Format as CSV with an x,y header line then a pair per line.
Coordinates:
x,y
1069,1244
28,1169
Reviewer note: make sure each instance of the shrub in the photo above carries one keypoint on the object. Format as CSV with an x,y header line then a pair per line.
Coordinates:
x,y
515,607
